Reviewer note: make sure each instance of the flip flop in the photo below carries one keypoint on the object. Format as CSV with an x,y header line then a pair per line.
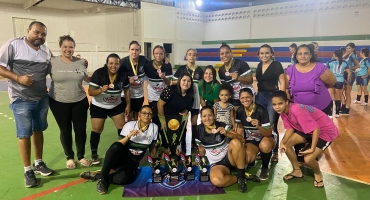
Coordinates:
x,y
292,176
84,162
316,184
70,164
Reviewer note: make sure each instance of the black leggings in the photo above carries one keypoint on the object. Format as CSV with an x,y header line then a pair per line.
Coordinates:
x,y
67,114
119,158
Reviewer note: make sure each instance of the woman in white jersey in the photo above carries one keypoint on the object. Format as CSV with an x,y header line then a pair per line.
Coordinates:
x,y
105,87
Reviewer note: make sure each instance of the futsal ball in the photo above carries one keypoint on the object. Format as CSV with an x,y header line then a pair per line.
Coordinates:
x,y
173,124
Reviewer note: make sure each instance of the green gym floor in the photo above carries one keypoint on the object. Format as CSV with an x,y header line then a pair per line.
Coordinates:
x,y
66,184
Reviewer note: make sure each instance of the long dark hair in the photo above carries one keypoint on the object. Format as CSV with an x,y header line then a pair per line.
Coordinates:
x,y
353,46
339,54
293,45
267,46
190,90
281,94
213,82
313,57
134,42
365,51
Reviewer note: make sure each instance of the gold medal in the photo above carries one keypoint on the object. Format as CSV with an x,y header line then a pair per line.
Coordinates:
x,y
227,73
135,78
249,119
159,71
214,131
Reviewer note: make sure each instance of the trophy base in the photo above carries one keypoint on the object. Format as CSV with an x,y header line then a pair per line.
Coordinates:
x,y
189,177
204,178
157,178
174,177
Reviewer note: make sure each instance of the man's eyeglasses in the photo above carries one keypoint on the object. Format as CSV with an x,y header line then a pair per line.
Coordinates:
x,y
146,113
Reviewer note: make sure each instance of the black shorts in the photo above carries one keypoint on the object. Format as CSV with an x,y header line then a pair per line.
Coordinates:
x,y
123,102
235,102
225,162
194,111
328,109
339,85
136,104
98,112
254,142
321,144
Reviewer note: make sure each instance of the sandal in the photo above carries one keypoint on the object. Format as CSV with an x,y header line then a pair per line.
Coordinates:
x,y
275,157
84,162
286,177
91,175
318,184
70,164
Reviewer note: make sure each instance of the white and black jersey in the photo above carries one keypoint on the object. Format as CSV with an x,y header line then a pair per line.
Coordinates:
x,y
243,70
251,132
216,145
155,83
197,75
112,97
136,88
138,144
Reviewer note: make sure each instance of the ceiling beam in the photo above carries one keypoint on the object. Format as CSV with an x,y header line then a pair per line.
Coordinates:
x,y
29,3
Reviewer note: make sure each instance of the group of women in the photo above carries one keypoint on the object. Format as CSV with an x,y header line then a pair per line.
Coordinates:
x,y
236,123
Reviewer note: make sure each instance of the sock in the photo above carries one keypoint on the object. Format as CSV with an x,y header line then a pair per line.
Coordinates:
x,y
37,162
266,157
118,131
366,98
241,172
94,142
27,168
343,106
337,106
358,98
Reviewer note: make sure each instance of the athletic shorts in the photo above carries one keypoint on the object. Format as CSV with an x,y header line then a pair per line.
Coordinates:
x,y
136,104
353,77
362,81
98,112
339,85
225,162
321,144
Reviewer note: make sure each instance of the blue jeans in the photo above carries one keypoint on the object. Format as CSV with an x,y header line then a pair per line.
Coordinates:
x,y
264,99
30,116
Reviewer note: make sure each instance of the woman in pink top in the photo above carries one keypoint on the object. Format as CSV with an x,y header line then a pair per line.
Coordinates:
x,y
304,124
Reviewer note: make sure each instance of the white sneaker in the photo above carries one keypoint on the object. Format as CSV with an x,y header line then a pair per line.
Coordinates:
x,y
364,104
330,116
355,101
337,115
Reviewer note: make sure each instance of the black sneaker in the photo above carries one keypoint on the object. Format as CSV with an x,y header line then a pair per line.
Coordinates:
x,y
91,175
42,169
252,177
95,160
30,179
102,187
345,111
242,185
264,175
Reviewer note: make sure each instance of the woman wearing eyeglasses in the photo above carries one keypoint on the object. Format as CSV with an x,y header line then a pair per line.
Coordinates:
x,y
124,155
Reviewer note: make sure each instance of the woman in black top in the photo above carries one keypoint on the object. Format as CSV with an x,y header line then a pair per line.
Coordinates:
x,y
175,100
269,74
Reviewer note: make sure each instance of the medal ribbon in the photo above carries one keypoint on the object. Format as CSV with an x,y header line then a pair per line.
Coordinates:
x,y
112,78
211,127
158,67
134,69
249,113
362,60
192,74
227,68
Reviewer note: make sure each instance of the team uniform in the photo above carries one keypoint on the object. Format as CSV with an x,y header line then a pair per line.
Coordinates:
x,y
251,133
364,67
216,145
243,70
350,61
136,88
107,103
197,75
338,71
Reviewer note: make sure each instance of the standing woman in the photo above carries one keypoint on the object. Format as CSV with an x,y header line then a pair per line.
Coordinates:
x,y
175,100
235,72
158,76
309,81
133,67
351,58
269,74
196,74
338,67
68,101
105,88
362,79
209,87
292,49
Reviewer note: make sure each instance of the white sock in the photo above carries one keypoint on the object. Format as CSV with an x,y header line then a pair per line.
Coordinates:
x,y
27,168
37,162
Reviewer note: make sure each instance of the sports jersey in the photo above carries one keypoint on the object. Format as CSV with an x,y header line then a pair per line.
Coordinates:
x,y
136,88
223,114
243,70
251,132
351,60
112,97
292,60
216,145
197,75
18,57
364,67
155,83
138,144
337,70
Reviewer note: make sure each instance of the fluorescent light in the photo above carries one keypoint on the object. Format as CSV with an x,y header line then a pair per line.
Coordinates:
x,y
199,3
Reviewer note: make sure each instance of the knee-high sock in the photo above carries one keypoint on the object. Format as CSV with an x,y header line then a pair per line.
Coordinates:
x,y
94,142
119,132
337,106
266,157
366,98
358,98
